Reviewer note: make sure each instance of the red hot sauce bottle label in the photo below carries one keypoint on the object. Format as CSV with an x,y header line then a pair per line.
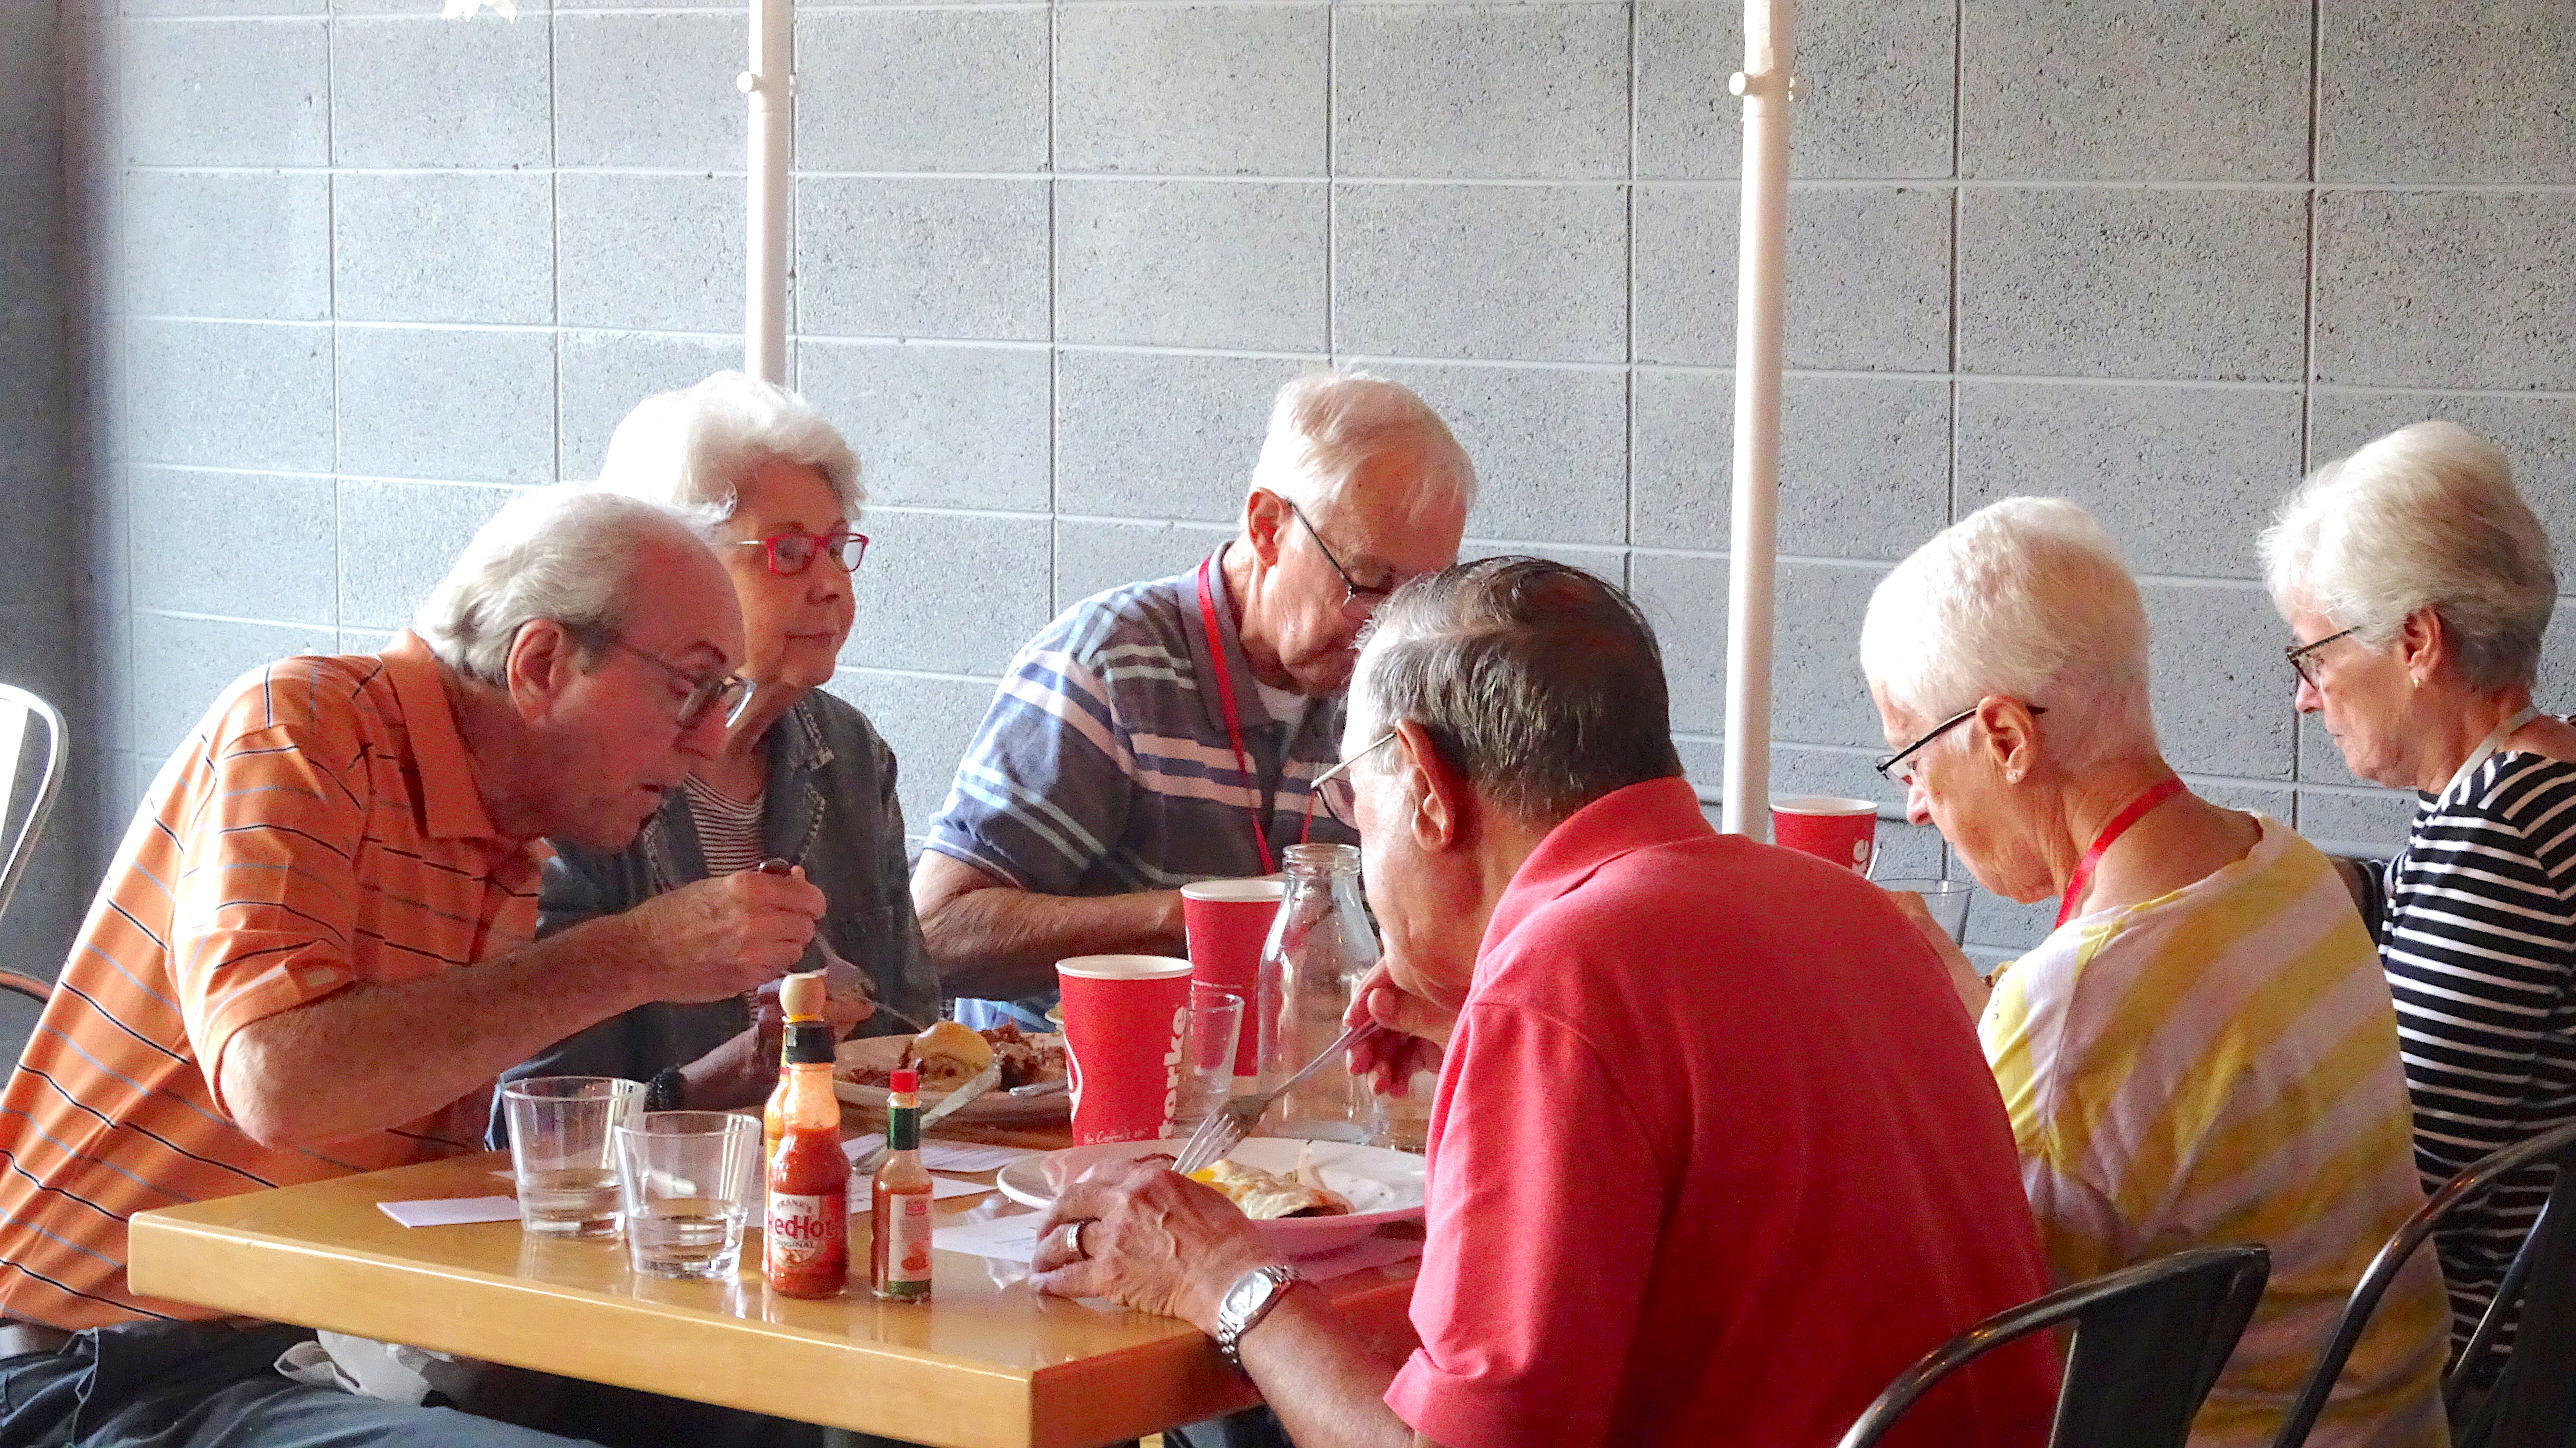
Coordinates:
x,y
806,1234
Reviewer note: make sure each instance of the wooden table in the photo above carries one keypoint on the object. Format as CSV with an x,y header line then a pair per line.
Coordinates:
x,y
987,1364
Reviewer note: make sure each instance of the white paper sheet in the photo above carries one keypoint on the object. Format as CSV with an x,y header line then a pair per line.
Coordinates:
x,y
941,1189
1015,1239
452,1211
957,1156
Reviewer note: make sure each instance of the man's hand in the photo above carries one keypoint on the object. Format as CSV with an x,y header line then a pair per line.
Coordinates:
x,y
744,1068
1389,1061
1972,989
1149,1238
719,937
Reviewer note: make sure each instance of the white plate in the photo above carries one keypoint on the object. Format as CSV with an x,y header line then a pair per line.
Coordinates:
x,y
1384,1186
996,1105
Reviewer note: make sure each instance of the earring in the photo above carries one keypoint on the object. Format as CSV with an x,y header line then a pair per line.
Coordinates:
x,y
2012,776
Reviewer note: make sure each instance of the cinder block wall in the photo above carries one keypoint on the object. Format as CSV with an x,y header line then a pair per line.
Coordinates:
x,y
373,269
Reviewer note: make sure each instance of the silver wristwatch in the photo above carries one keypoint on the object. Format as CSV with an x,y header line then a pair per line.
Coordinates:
x,y
1247,1302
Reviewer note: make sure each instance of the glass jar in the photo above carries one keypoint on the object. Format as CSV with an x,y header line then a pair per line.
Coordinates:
x,y
1319,947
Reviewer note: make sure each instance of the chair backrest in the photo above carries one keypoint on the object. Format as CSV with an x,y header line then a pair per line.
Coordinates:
x,y
2527,1399
27,723
2147,1342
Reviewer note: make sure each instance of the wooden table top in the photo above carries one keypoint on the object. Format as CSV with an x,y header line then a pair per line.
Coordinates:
x,y
988,1363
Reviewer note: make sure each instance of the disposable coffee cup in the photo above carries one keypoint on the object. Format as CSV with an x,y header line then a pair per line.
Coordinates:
x,y
1228,922
1125,1018
1844,831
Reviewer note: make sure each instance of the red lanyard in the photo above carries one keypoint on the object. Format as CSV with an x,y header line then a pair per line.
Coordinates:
x,y
1225,697
2133,812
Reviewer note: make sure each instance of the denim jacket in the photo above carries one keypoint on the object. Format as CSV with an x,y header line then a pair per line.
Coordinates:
x,y
829,805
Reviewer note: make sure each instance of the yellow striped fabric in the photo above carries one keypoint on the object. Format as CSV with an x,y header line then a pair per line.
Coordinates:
x,y
2216,1066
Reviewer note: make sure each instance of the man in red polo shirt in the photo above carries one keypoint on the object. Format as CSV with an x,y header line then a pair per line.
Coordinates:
x,y
1715,1154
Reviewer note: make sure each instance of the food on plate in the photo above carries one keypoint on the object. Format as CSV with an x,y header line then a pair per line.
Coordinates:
x,y
948,1053
1265,1197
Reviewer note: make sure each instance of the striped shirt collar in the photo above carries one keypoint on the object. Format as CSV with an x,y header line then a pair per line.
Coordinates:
x,y
1248,703
451,804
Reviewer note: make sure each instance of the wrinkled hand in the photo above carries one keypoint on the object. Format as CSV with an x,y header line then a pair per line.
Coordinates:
x,y
719,937
1154,1241
1416,1030
1972,989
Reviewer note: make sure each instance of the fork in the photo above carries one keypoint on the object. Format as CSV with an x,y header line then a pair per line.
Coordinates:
x,y
1227,1126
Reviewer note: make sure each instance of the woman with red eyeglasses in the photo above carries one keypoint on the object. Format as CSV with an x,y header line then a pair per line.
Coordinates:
x,y
800,776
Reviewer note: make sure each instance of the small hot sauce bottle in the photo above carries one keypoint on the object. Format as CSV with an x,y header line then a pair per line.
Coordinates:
x,y
899,1268
805,1238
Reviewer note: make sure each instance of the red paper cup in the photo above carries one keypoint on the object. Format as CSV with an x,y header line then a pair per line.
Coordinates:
x,y
1844,831
1229,921
1124,1020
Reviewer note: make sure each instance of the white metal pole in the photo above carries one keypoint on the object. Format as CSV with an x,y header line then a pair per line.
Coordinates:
x,y
770,85
1761,261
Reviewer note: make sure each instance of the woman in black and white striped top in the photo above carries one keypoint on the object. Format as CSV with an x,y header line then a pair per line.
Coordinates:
x,y
2418,585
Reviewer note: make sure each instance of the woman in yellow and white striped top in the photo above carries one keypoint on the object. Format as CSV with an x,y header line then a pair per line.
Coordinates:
x,y
2203,1051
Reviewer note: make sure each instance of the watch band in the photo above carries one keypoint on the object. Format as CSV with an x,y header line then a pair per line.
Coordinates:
x,y
666,1091
1247,1302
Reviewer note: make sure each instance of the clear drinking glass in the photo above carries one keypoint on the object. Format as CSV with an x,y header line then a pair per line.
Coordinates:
x,y
1946,899
1320,945
685,1179
561,1152
1207,1056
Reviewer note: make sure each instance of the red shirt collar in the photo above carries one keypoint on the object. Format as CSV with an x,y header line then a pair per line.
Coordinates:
x,y
1639,816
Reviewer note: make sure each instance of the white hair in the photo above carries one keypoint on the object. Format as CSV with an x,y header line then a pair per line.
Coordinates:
x,y
2026,598
691,449
2426,517
1327,425
567,552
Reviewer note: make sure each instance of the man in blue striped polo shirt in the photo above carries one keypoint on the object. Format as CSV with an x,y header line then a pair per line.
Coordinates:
x,y
1165,731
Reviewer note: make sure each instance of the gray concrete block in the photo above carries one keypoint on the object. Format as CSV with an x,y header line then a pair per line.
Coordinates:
x,y
650,90
365,640
221,92
2449,94
2371,824
1191,263
1875,89
1154,435
2536,434
2183,477
949,593
2104,283
1517,273
1092,556
1817,693
1864,463
2219,688
1549,445
182,664
1191,89
922,90
2454,289
1463,91
228,244
208,8
2320,758
942,259
231,394
245,545
935,426
458,406
445,247
2007,926
602,375
662,253
2175,90
416,90
1838,773
1868,284
397,540
927,722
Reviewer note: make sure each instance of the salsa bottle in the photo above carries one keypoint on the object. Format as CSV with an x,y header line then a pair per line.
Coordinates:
x,y
899,1268
805,1239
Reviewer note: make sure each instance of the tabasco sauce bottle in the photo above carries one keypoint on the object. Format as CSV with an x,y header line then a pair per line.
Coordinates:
x,y
899,1268
805,1238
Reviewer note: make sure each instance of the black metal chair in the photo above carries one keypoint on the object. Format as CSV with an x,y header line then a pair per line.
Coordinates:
x,y
2533,1402
27,725
2147,1342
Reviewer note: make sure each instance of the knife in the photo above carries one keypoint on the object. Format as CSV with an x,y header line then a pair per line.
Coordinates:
x,y
976,1085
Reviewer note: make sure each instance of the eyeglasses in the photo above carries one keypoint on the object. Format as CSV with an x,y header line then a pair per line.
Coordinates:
x,y
1332,789
793,552
731,694
1352,592
1887,767
2298,654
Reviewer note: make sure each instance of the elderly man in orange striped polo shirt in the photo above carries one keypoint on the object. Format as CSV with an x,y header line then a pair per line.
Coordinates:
x,y
312,954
